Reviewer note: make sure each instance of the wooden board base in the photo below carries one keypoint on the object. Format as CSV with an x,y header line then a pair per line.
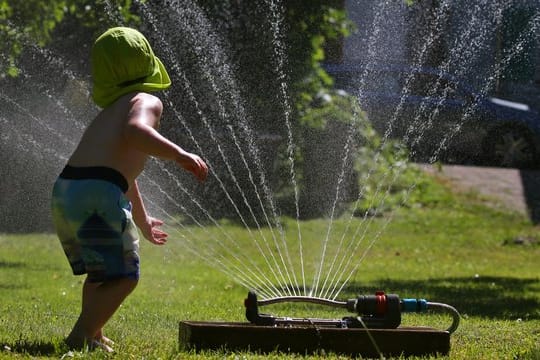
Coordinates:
x,y
408,341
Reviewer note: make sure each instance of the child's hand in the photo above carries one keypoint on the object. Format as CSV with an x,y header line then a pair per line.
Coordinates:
x,y
151,232
194,164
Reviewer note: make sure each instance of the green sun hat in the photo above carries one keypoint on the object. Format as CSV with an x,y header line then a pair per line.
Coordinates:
x,y
123,62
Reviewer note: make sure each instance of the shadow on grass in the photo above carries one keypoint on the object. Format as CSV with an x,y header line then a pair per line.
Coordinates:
x,y
28,265
28,347
10,264
11,287
492,297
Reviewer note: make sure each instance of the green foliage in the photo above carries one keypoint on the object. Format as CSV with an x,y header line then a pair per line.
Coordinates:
x,y
33,22
312,27
385,177
388,180
321,117
328,135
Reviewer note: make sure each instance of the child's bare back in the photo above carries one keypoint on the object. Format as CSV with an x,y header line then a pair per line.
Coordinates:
x,y
111,139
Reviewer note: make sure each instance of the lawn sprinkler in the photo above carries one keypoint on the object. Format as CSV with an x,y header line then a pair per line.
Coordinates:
x,y
379,311
373,330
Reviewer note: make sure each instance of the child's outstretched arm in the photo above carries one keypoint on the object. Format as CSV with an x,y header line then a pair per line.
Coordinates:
x,y
140,132
147,224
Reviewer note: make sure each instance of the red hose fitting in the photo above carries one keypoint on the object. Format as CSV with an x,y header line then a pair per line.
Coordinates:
x,y
381,304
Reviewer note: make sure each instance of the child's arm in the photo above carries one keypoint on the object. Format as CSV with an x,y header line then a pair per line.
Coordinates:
x,y
147,224
141,133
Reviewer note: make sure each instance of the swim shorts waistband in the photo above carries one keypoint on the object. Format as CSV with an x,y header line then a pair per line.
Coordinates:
x,y
97,173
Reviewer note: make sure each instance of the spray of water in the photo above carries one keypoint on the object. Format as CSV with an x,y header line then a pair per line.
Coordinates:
x,y
280,272
276,23
480,40
332,270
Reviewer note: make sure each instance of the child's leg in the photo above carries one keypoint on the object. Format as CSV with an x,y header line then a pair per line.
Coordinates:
x,y
88,288
100,301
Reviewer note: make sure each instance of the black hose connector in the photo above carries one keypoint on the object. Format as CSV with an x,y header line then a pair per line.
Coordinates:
x,y
379,311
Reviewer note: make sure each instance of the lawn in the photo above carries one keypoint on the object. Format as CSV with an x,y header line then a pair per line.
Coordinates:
x,y
458,251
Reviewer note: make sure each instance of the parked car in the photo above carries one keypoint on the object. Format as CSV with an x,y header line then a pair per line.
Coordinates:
x,y
440,116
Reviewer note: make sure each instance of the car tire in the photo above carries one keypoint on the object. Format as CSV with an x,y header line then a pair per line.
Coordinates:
x,y
510,147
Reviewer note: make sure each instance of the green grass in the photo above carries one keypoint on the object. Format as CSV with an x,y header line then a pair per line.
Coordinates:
x,y
455,251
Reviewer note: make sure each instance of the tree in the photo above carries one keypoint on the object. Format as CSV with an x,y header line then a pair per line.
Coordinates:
x,y
24,22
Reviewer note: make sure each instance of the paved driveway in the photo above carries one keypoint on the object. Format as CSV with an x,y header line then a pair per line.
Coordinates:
x,y
519,190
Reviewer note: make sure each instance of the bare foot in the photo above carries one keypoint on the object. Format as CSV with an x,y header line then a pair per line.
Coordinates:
x,y
101,345
105,340
89,345
102,338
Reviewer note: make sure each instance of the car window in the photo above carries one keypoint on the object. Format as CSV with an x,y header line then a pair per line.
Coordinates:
x,y
368,80
347,80
434,86
392,82
382,81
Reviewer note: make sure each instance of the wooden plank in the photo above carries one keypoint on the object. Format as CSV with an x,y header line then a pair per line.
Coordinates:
x,y
409,341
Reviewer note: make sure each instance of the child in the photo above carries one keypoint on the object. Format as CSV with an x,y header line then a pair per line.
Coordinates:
x,y
96,200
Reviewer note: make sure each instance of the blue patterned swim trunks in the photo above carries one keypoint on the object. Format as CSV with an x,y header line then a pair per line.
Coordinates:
x,y
93,220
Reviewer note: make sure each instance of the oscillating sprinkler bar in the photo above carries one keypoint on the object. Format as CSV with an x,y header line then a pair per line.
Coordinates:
x,y
305,299
379,311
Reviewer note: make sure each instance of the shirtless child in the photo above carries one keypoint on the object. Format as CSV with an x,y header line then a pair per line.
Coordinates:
x,y
96,202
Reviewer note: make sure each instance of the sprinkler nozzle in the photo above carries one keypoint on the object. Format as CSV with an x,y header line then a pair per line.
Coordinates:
x,y
252,311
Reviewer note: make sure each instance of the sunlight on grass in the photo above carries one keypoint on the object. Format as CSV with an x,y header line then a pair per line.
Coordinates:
x,y
458,254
